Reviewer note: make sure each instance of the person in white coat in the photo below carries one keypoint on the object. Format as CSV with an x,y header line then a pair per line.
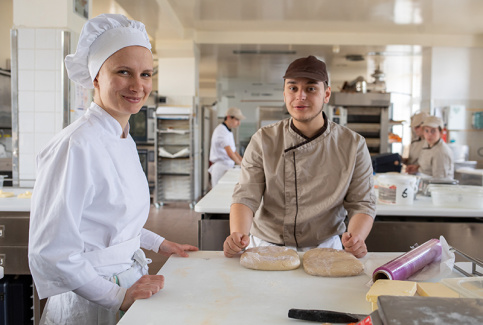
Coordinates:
x,y
91,197
223,154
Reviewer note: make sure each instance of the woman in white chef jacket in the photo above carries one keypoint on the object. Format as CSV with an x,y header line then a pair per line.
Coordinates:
x,y
91,197
436,158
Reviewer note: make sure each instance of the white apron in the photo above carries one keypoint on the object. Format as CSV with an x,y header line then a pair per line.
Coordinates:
x,y
218,169
70,308
332,242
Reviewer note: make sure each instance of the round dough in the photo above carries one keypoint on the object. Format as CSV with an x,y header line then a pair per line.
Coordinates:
x,y
270,258
331,262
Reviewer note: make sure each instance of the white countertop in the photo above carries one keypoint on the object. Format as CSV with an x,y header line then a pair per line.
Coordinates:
x,y
231,176
9,204
208,288
218,200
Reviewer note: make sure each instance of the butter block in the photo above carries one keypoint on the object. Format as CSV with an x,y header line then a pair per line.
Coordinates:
x,y
390,288
6,194
429,289
26,195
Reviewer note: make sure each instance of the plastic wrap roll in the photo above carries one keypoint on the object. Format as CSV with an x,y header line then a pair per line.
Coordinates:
x,y
404,266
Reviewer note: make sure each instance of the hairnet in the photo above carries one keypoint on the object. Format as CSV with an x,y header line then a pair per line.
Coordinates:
x,y
100,38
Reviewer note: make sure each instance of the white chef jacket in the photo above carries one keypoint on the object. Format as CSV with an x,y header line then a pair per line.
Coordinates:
x,y
221,162
89,205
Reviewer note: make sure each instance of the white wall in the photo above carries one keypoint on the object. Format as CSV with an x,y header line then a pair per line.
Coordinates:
x,y
52,13
456,80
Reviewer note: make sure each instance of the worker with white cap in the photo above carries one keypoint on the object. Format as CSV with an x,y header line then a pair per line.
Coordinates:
x,y
418,137
91,198
223,154
436,158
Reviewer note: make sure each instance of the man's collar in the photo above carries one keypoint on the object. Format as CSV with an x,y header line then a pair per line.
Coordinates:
x,y
226,126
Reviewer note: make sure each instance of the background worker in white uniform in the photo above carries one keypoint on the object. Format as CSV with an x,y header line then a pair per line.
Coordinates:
x,y
300,177
223,154
436,158
417,141
91,197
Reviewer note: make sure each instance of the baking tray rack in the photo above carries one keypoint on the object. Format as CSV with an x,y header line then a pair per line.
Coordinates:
x,y
474,262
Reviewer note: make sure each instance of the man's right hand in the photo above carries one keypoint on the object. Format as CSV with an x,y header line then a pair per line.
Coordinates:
x,y
143,288
235,243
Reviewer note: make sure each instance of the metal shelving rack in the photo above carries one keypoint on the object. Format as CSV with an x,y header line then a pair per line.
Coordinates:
x,y
174,145
366,114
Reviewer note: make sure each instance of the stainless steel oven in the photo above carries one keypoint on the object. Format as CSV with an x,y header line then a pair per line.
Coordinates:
x,y
147,159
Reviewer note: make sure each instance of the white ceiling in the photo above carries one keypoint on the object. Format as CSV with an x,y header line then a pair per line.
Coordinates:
x,y
266,30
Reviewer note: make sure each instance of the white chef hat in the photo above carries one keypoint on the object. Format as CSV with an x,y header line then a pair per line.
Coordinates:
x,y
100,38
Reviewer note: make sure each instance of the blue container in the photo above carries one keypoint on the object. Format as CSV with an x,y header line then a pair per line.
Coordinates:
x,y
478,120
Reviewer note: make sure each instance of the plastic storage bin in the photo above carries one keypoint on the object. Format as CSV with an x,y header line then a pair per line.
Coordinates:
x,y
457,196
466,287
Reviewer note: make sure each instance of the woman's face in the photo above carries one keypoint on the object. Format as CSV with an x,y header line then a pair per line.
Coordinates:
x,y
431,135
124,82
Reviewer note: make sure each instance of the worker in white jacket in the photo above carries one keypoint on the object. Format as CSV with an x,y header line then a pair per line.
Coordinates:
x,y
91,197
223,154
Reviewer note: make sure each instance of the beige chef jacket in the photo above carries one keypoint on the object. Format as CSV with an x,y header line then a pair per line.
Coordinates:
x,y
415,150
306,184
436,161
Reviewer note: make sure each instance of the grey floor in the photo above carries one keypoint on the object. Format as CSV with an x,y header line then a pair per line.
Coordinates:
x,y
176,222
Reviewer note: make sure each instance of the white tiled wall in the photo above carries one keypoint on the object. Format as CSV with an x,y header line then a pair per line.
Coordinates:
x,y
40,111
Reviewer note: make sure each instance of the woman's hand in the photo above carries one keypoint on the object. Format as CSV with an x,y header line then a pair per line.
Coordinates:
x,y
143,288
168,248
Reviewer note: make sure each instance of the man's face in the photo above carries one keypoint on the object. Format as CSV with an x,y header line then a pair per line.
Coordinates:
x,y
305,98
232,122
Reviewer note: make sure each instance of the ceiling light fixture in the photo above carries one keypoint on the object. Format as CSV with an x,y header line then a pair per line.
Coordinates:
x,y
354,57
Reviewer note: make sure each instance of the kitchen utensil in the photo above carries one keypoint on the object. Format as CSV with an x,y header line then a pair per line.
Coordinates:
x,y
327,316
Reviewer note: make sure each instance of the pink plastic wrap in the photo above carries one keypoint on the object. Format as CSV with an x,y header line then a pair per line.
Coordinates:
x,y
404,266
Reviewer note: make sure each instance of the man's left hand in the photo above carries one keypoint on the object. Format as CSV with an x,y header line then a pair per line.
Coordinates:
x,y
354,244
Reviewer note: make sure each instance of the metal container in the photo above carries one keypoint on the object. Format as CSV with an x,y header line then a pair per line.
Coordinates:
x,y
425,182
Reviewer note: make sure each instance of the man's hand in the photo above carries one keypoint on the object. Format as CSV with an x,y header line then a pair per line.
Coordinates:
x,y
235,243
168,248
143,288
354,245
412,169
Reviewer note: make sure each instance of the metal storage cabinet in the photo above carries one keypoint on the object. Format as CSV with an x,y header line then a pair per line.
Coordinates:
x,y
366,114
175,163
14,230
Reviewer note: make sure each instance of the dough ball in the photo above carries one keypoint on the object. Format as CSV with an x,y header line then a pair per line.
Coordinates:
x,y
331,262
270,258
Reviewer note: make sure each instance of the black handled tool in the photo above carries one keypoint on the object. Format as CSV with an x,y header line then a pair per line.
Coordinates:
x,y
327,316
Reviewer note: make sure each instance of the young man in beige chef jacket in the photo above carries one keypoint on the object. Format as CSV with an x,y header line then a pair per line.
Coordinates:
x,y
300,177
